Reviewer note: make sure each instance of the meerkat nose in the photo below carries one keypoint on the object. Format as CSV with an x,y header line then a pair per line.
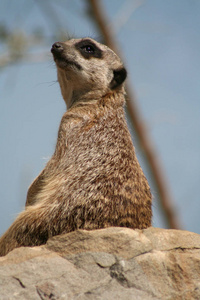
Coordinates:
x,y
56,47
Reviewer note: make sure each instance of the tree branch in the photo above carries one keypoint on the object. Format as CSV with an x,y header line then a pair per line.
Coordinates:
x,y
165,199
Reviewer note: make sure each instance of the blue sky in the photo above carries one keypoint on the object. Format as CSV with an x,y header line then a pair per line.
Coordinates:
x,y
160,45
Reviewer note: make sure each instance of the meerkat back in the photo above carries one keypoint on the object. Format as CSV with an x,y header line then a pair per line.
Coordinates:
x,y
93,179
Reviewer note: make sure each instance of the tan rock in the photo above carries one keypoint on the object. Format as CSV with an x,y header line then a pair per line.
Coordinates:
x,y
112,263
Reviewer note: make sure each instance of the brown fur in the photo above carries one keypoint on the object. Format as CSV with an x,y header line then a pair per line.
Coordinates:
x,y
93,179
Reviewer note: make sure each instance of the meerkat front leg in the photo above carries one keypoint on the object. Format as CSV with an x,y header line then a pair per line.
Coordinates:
x,y
32,227
34,189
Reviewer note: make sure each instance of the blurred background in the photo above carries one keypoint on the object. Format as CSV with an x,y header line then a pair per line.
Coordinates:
x,y
159,42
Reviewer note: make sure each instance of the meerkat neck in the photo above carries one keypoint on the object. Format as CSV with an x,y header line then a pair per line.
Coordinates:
x,y
72,94
113,100
83,96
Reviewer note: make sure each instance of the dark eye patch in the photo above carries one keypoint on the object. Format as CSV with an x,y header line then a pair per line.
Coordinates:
x,y
88,49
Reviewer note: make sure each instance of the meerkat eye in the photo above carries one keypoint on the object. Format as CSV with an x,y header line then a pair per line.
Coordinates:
x,y
88,48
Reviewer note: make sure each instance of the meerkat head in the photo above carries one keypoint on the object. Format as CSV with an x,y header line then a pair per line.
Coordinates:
x,y
87,70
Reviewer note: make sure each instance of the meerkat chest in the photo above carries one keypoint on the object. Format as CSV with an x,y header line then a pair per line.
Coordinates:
x,y
97,140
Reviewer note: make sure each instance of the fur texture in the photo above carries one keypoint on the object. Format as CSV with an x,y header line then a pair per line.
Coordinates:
x,y
93,179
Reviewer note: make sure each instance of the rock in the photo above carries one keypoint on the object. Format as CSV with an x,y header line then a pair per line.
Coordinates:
x,y
112,263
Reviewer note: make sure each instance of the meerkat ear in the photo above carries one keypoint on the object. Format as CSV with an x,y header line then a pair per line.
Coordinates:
x,y
118,78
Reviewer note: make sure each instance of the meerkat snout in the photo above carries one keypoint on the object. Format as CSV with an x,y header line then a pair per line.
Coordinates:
x,y
56,46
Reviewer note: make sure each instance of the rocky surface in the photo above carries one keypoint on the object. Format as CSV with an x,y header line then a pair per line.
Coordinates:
x,y
112,263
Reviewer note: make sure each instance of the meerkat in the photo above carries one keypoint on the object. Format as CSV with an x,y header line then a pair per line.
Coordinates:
x,y
93,179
